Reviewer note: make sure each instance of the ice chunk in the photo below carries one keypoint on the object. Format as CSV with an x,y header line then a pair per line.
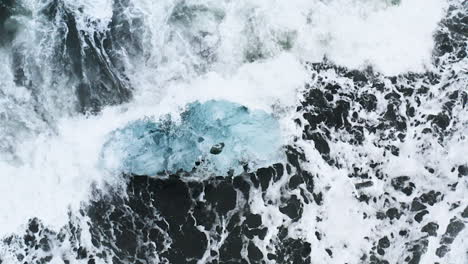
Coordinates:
x,y
215,136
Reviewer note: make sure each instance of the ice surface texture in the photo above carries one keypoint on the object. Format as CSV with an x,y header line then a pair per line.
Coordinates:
x,y
217,136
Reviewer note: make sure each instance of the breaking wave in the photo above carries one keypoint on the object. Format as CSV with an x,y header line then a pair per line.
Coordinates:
x,y
265,131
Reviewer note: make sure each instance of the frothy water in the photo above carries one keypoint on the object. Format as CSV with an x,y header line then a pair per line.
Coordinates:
x,y
216,137
84,85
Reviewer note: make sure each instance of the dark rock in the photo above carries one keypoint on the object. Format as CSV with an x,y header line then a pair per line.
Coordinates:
x,y
259,232
292,250
423,90
419,216
318,235
82,253
463,170
411,111
368,101
339,117
393,213
232,247
306,249
29,240
222,196
364,198
398,182
127,241
357,76
318,198
295,181
294,157
380,215
402,184
254,180
20,257
453,229
392,96
34,225
217,148
308,179
316,98
390,114
265,175
465,213
416,205
254,252
184,241
241,184
44,244
441,120
430,197
155,235
293,208
417,249
430,228
374,259
253,220
442,250
380,251
384,242
279,168
408,190
169,193
313,121
271,256
320,143
364,184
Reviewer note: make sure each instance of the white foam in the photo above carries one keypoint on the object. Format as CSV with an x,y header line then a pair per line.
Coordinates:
x,y
393,39
91,15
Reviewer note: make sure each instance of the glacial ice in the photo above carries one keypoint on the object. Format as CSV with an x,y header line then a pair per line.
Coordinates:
x,y
215,137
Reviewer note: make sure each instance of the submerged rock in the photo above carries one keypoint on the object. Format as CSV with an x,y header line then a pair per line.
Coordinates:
x,y
215,136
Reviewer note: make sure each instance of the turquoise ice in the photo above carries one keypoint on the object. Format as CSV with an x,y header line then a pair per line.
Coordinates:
x,y
215,137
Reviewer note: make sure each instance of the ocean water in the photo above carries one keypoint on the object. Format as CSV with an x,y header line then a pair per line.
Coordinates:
x,y
265,131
